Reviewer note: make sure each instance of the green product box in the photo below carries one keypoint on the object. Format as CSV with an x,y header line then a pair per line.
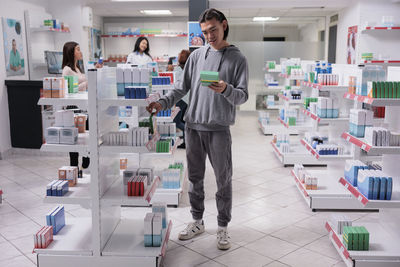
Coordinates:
x,y
394,89
73,86
360,238
209,77
390,89
355,238
374,91
348,237
292,121
386,89
382,89
378,90
398,89
365,237
158,146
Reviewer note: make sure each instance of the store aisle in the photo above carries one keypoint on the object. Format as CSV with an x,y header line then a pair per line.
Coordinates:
x,y
271,224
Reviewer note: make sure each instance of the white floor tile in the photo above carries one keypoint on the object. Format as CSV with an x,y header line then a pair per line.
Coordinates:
x,y
24,244
19,230
304,257
243,257
8,251
183,257
243,235
276,264
296,235
325,247
208,247
272,247
13,218
20,261
211,263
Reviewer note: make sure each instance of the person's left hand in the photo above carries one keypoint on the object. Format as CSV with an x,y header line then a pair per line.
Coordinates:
x,y
218,87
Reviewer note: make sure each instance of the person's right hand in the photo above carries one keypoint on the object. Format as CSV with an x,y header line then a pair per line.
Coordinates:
x,y
154,106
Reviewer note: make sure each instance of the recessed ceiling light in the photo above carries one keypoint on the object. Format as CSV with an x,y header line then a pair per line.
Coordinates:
x,y
156,12
265,18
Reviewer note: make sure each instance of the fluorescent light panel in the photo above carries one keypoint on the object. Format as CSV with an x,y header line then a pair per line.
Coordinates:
x,y
265,18
156,12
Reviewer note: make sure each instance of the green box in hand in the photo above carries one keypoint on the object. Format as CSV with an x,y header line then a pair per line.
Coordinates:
x,y
209,77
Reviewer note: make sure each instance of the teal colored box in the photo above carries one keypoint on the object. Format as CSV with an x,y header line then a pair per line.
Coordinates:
x,y
120,89
329,113
321,113
157,240
209,77
148,240
357,130
335,113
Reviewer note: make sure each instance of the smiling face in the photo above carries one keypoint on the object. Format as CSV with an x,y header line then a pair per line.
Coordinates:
x,y
213,31
77,53
143,45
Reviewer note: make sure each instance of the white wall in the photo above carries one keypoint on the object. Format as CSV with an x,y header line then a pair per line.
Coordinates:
x,y
14,10
256,32
310,32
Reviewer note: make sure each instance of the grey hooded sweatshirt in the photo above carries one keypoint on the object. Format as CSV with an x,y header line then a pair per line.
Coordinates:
x,y
208,110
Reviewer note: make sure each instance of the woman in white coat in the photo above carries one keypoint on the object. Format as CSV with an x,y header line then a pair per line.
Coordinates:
x,y
140,55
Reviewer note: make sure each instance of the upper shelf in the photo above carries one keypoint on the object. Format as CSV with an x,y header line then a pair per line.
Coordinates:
x,y
322,120
48,29
382,61
82,146
372,150
324,87
369,204
291,101
300,127
381,28
78,99
115,195
324,157
377,102
142,35
291,77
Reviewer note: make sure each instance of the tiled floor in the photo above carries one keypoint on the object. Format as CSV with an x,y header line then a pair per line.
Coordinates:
x,y
271,224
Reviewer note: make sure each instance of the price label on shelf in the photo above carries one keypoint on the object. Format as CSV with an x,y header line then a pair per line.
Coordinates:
x,y
360,198
363,146
348,138
356,98
389,28
348,96
346,185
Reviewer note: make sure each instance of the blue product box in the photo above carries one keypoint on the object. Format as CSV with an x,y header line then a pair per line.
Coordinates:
x,y
335,113
357,130
50,187
54,188
127,92
157,240
329,113
366,186
389,187
377,187
351,173
322,113
382,190
59,219
143,93
62,188
148,240
120,89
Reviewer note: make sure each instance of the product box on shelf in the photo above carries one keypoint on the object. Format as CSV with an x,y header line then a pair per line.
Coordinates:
x,y
47,87
69,173
52,135
64,118
374,184
148,230
43,237
56,218
359,120
161,208
68,135
123,163
339,222
351,170
356,238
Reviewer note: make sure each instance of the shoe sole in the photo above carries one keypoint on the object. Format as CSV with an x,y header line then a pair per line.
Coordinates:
x,y
184,237
223,247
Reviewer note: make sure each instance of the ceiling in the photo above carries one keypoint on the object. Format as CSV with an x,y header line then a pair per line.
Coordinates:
x,y
237,8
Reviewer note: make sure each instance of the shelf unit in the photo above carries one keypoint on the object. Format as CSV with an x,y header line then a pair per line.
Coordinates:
x,y
82,146
297,154
142,35
324,87
322,120
48,29
291,101
381,28
78,194
329,195
376,102
275,127
324,157
384,234
78,99
382,61
97,240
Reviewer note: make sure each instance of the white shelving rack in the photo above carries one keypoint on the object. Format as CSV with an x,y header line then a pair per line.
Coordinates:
x,y
384,234
105,238
298,153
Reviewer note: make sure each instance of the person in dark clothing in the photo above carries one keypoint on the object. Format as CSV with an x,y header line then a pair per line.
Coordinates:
x,y
182,104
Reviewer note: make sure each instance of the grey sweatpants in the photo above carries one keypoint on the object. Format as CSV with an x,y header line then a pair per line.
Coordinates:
x,y
217,145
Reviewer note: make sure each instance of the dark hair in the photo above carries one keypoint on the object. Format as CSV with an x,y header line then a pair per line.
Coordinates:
x,y
69,56
213,13
182,57
137,44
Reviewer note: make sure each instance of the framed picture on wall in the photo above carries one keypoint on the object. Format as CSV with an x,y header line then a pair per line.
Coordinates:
x,y
13,47
196,37
351,45
95,44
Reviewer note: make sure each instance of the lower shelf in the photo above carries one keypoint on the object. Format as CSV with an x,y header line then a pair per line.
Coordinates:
x,y
128,240
383,249
297,155
330,194
169,196
275,127
75,238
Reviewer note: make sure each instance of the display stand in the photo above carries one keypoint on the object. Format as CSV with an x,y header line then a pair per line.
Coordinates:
x,y
105,238
384,234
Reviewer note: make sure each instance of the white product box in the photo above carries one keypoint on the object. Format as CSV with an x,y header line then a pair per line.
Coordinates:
x,y
329,103
148,221
369,117
322,102
59,121
52,135
68,135
120,75
157,223
136,76
68,118
128,76
144,75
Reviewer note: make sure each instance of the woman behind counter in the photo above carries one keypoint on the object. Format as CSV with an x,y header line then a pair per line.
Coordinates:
x,y
141,54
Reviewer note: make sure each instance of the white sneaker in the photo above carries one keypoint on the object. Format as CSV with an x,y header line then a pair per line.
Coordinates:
x,y
223,242
191,230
